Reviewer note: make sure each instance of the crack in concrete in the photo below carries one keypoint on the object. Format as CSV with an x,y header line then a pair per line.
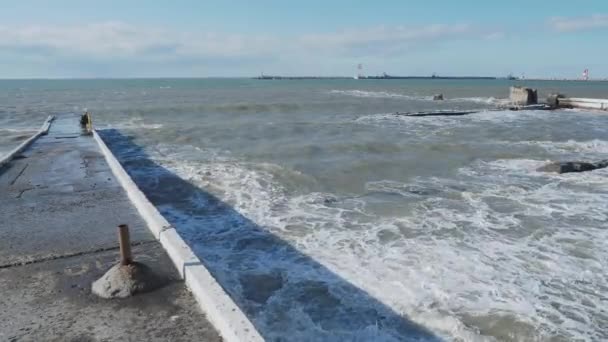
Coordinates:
x,y
20,173
23,191
71,255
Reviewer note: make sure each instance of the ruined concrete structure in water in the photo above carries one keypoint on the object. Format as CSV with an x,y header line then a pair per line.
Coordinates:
x,y
522,96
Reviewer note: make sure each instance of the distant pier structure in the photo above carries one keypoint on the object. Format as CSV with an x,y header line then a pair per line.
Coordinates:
x,y
359,72
384,76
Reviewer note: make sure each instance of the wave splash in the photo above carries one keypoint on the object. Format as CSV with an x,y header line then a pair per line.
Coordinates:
x,y
484,233
391,95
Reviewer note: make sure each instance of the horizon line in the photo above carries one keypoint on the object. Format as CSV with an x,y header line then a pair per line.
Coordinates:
x,y
286,77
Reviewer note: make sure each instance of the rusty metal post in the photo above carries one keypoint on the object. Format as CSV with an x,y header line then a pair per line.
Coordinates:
x,y
125,245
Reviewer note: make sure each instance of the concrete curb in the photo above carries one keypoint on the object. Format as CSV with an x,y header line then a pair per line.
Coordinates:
x,y
42,131
222,312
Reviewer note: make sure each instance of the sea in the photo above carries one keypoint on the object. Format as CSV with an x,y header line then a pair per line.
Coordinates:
x,y
327,217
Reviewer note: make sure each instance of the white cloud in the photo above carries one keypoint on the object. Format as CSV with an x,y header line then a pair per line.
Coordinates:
x,y
595,21
114,39
384,34
99,48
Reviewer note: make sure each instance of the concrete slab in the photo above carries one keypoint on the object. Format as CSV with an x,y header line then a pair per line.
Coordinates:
x,y
61,199
60,204
52,301
36,227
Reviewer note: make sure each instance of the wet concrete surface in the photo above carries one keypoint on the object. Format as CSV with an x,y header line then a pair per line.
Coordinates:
x,y
59,208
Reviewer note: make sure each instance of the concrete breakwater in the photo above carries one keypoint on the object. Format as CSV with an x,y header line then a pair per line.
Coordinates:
x,y
522,96
583,103
61,197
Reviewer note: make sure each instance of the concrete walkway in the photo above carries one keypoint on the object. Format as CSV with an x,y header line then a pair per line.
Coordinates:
x,y
59,208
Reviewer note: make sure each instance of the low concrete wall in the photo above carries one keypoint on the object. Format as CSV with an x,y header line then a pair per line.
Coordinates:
x,y
523,96
42,131
221,310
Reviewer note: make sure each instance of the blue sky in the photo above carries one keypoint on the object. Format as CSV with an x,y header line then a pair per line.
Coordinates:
x,y
68,38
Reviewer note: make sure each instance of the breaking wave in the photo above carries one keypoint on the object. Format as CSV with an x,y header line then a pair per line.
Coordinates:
x,y
391,95
496,246
380,94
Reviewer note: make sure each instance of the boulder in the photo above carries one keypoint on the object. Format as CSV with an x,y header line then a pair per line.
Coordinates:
x,y
123,281
567,167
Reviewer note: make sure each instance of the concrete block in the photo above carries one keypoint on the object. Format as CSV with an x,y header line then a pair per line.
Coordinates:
x,y
553,100
523,96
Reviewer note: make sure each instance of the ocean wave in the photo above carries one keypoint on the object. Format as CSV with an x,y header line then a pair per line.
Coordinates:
x,y
483,231
593,147
134,123
482,100
380,94
482,116
314,223
391,95
18,130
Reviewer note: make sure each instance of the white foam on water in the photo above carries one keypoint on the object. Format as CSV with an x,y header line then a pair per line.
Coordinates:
x,y
305,221
134,123
17,130
424,126
380,94
497,244
430,126
391,95
509,116
482,100
590,148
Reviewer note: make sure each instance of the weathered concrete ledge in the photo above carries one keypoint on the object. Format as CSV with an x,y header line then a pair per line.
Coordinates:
x,y
221,310
60,204
42,131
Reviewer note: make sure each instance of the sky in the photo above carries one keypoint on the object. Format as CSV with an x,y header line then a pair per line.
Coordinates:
x,y
236,38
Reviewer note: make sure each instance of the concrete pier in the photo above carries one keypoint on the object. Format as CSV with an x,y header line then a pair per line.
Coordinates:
x,y
60,204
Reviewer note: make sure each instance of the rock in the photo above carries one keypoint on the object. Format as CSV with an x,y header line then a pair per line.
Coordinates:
x,y
330,200
438,97
602,164
123,281
567,167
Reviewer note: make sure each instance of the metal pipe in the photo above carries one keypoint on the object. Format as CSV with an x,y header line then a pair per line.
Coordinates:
x,y
124,242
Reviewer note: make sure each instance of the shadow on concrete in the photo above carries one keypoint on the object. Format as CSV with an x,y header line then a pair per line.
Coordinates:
x,y
287,295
